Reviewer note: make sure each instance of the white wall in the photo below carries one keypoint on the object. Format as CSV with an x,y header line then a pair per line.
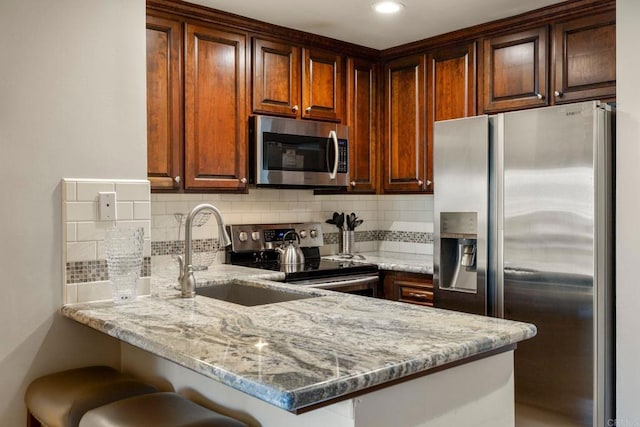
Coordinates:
x,y
628,209
72,104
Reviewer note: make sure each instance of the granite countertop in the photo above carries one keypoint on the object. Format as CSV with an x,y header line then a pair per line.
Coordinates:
x,y
297,353
395,261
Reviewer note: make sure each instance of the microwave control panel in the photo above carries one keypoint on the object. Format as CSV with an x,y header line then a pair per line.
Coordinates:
x,y
343,156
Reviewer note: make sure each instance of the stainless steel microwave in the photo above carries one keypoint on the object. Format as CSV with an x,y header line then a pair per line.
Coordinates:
x,y
298,153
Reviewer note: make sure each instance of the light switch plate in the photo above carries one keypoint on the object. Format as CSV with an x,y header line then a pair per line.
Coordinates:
x,y
107,206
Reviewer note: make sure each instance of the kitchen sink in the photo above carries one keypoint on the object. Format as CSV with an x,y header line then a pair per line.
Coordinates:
x,y
248,295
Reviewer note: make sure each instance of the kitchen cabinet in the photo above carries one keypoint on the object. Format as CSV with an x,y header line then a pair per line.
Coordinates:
x,y
451,90
164,103
196,114
405,143
413,288
585,58
215,115
276,78
516,70
297,82
362,121
451,85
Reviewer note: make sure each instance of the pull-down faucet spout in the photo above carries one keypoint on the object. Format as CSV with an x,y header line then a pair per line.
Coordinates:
x,y
187,279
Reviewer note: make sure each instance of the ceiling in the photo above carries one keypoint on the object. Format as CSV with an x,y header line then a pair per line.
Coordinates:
x,y
354,21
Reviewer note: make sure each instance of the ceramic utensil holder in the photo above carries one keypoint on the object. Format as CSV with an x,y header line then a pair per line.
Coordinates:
x,y
347,242
123,249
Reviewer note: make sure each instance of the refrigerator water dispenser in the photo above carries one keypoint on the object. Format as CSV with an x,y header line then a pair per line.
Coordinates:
x,y
458,247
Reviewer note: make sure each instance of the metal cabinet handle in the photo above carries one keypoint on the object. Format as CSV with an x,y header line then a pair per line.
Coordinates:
x,y
420,182
243,180
307,110
429,182
353,183
416,295
177,179
539,96
558,94
295,108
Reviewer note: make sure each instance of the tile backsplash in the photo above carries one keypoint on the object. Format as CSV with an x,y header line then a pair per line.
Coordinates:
x,y
399,223
84,265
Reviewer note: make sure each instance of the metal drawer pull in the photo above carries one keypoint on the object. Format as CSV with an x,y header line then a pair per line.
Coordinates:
x,y
417,295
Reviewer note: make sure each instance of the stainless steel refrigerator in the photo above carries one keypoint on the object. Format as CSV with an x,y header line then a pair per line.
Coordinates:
x,y
523,230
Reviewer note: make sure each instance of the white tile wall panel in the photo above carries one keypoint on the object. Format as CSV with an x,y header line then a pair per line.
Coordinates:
x,y
88,191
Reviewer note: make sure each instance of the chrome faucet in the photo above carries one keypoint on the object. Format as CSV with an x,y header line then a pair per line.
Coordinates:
x,y
187,279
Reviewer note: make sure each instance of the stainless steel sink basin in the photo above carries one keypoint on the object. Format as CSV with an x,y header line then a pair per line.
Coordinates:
x,y
248,295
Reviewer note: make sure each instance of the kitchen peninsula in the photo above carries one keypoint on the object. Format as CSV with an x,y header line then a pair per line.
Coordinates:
x,y
329,359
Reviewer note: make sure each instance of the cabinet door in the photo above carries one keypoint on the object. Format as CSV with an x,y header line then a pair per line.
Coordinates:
x,y
405,145
516,71
451,90
322,88
215,119
585,58
164,103
276,78
361,119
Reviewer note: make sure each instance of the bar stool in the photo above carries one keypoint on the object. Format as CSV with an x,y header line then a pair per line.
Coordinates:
x,y
62,398
157,410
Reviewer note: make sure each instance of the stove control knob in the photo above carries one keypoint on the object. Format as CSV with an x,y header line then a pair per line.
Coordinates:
x,y
242,236
255,235
313,233
303,234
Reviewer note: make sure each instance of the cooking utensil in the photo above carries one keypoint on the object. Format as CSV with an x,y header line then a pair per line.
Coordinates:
x,y
340,221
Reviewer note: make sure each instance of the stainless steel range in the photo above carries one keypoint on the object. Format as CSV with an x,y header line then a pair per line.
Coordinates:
x,y
261,245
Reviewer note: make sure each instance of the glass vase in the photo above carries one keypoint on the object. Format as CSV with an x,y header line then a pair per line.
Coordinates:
x,y
123,249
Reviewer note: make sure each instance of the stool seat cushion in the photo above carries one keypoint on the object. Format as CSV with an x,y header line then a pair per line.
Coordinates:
x,y
62,398
157,410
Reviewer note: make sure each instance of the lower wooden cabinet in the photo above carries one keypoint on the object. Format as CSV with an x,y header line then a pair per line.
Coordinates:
x,y
408,287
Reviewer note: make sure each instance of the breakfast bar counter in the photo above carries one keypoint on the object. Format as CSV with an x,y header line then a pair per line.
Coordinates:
x,y
302,354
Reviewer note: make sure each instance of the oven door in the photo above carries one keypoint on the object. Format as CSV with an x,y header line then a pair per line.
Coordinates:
x,y
360,284
299,153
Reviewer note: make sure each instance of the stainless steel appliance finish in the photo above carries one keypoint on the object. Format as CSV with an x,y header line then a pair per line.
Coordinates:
x,y
298,153
258,246
461,206
549,252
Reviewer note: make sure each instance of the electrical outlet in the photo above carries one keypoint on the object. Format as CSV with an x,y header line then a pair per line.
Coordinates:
x,y
107,206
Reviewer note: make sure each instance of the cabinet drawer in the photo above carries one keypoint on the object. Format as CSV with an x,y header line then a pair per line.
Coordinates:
x,y
422,296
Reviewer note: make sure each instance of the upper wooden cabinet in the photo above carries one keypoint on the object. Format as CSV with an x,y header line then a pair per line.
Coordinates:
x,y
405,142
206,87
215,115
362,121
322,87
451,90
451,84
516,70
585,58
297,82
164,103
517,73
276,78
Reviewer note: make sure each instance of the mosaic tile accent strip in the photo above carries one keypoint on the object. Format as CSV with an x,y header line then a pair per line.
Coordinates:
x,y
176,247
383,235
96,271
405,236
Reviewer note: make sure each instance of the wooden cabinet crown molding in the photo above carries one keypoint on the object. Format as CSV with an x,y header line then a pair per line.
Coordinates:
x,y
525,21
258,28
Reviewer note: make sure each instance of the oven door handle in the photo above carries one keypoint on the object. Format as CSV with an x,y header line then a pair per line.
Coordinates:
x,y
340,283
334,137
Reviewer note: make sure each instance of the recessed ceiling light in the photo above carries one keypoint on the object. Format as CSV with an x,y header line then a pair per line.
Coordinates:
x,y
387,7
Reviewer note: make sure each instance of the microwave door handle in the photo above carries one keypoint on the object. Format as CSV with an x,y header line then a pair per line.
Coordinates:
x,y
332,135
